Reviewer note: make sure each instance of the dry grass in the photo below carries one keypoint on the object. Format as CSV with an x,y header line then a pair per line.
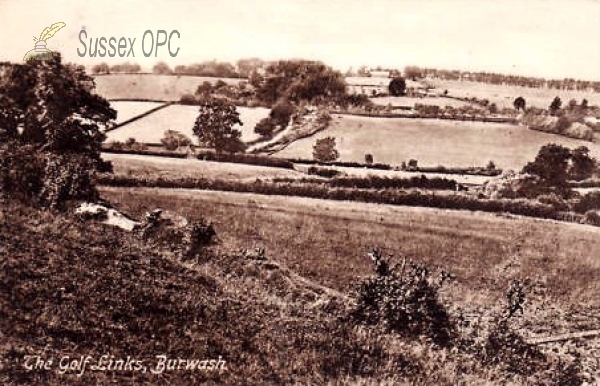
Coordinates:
x,y
128,110
433,142
504,96
156,87
327,241
181,118
141,165
410,101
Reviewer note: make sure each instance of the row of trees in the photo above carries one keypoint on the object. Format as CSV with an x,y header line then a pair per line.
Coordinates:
x,y
243,68
503,79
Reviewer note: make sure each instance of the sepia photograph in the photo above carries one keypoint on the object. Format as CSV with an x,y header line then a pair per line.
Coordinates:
x,y
300,192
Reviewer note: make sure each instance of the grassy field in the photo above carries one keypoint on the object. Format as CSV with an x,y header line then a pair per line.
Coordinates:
x,y
181,118
128,110
327,241
151,86
433,142
411,101
504,96
140,165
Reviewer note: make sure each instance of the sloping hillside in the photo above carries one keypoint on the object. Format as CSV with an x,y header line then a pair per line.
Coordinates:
x,y
151,86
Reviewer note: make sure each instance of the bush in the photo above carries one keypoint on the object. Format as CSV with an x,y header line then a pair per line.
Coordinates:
x,y
505,347
173,140
591,217
590,201
265,127
281,113
323,172
249,159
405,302
555,200
21,171
324,150
43,177
67,177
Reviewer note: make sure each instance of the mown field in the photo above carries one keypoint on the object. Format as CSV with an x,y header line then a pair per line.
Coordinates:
x,y
151,86
140,166
181,118
433,142
129,109
412,101
504,96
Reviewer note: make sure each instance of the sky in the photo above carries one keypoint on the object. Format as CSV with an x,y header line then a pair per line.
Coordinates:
x,y
547,38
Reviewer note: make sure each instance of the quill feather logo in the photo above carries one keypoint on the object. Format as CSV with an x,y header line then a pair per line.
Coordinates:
x,y
40,52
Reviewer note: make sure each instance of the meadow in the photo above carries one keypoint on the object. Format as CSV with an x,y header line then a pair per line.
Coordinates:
x,y
152,86
503,96
140,166
181,118
327,242
130,109
433,142
412,101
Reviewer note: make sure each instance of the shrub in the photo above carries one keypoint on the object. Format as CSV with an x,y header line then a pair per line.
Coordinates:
x,y
67,177
44,177
173,140
505,347
188,99
592,217
21,171
323,172
176,235
265,127
555,200
324,150
405,302
281,113
590,201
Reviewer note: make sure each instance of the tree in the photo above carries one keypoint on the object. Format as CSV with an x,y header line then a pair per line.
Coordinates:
x,y
297,81
582,165
413,72
101,68
369,159
173,140
555,105
265,127
214,126
324,150
162,68
550,165
49,112
519,103
397,86
205,89
282,112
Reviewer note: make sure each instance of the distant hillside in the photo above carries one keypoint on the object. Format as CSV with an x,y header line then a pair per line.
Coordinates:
x,y
151,86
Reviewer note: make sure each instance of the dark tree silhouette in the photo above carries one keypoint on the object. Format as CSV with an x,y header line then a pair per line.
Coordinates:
x,y
397,86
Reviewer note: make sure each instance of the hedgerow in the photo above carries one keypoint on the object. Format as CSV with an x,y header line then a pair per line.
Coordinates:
x,y
380,196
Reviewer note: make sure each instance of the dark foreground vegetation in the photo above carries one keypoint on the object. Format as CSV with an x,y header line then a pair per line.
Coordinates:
x,y
94,290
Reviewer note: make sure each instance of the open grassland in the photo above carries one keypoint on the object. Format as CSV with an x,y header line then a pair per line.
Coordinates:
x,y
181,118
327,241
433,142
128,110
503,96
411,101
152,86
150,166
